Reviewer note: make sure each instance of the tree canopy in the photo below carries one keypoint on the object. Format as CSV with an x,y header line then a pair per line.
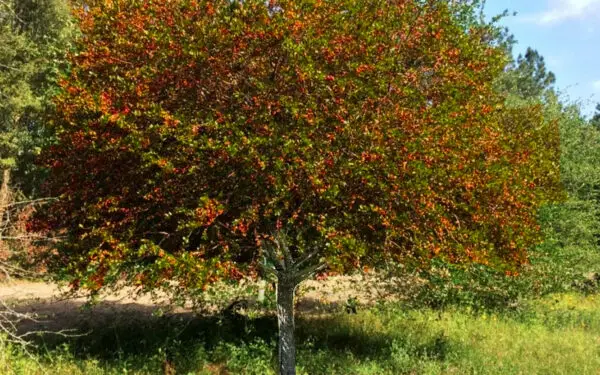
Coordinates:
x,y
190,132
595,121
527,77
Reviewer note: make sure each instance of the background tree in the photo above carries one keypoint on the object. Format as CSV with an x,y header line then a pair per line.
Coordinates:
x,y
570,252
527,77
200,140
33,37
571,228
595,121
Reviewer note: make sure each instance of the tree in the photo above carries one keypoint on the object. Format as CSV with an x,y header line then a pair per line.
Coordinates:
x,y
205,140
595,121
528,77
571,228
33,36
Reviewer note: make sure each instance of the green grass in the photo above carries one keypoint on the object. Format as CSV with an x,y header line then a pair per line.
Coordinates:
x,y
559,334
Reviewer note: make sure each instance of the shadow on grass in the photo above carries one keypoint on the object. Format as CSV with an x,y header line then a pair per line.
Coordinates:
x,y
112,333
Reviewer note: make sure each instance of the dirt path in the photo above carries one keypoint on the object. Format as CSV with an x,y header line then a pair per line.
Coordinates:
x,y
24,290
57,311
333,290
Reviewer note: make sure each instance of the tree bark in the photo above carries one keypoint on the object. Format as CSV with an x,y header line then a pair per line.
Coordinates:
x,y
285,317
262,285
4,195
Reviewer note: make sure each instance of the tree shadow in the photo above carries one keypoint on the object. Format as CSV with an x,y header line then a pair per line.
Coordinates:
x,y
106,328
111,331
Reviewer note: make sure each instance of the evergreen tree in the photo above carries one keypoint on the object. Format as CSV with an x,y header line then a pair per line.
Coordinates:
x,y
595,121
34,35
528,77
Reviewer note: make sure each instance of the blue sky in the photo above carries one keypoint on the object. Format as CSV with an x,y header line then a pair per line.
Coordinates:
x,y
567,34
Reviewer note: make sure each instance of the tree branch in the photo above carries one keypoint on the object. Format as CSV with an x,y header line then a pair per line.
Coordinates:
x,y
304,260
272,256
308,272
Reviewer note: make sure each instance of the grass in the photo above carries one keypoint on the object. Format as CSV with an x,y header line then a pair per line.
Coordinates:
x,y
559,334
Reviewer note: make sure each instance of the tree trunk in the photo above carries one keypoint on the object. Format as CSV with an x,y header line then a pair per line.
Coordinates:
x,y
262,285
285,318
4,195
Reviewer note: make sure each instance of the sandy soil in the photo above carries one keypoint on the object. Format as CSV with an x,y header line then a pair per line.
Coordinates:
x,y
331,291
55,310
24,290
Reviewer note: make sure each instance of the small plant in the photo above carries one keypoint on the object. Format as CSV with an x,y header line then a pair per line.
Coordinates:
x,y
351,306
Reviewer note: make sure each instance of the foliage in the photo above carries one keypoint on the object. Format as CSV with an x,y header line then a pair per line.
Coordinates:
x,y
527,77
595,121
33,37
572,228
185,142
569,257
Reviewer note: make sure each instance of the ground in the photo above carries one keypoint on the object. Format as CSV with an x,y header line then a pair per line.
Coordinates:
x,y
559,334
56,308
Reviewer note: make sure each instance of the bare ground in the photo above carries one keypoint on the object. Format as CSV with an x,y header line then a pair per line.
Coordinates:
x,y
55,310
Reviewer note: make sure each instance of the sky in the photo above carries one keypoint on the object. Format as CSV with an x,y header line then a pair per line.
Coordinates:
x,y
567,34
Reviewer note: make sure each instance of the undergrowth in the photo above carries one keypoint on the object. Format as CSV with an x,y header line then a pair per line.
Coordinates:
x,y
554,335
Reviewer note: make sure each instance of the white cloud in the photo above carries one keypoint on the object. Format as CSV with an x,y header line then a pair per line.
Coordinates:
x,y
562,10
596,85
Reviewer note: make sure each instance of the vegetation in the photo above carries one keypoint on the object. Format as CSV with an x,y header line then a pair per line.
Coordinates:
x,y
555,335
34,36
596,119
223,137
569,258
191,142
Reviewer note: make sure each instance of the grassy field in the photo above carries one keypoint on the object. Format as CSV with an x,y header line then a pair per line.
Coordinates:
x,y
557,335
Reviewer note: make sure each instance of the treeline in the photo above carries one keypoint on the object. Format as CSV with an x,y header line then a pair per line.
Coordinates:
x,y
35,37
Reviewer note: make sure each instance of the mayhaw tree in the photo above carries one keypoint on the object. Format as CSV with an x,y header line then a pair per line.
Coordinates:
x,y
207,140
